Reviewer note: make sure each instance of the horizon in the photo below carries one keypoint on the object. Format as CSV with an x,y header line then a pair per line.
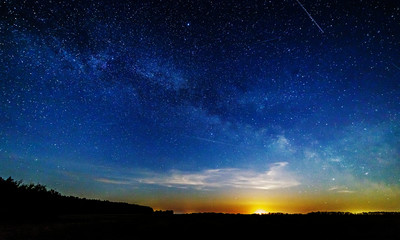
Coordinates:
x,y
245,211
210,106
20,184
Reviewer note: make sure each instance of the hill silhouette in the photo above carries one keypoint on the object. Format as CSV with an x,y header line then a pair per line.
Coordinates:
x,y
35,201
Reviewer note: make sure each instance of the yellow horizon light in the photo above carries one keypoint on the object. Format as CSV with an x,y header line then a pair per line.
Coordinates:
x,y
261,211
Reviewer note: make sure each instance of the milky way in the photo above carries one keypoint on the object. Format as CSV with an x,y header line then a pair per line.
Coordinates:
x,y
204,105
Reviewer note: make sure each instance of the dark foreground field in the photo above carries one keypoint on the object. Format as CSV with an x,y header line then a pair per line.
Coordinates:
x,y
121,226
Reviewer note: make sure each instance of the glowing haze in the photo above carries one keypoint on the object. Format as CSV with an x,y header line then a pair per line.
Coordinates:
x,y
198,106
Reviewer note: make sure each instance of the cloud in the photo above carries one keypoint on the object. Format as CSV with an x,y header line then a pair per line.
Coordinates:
x,y
275,178
111,181
340,189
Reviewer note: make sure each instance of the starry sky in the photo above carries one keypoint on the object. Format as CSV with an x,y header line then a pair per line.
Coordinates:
x,y
198,106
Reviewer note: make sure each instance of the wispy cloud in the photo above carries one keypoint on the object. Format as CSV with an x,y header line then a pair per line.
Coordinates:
x,y
111,181
340,189
275,178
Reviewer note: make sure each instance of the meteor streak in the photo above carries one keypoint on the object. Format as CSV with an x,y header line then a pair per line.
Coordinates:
x,y
309,15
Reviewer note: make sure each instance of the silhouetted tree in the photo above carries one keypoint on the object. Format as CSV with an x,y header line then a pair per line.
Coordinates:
x,y
35,200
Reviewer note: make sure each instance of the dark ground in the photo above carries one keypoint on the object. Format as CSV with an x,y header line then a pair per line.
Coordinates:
x,y
151,226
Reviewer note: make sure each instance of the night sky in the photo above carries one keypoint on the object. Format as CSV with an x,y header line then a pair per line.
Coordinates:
x,y
226,106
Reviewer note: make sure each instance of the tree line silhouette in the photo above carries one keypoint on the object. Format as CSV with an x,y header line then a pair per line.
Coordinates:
x,y
36,201
19,200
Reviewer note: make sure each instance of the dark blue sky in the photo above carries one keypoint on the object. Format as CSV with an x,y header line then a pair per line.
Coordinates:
x,y
136,100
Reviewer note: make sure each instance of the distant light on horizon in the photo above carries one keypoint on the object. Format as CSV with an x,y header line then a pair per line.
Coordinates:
x,y
261,212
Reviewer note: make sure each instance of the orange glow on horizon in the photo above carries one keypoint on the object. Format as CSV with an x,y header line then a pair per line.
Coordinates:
x,y
261,211
249,202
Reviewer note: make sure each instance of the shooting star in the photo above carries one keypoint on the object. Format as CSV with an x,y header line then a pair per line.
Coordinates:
x,y
396,66
309,15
